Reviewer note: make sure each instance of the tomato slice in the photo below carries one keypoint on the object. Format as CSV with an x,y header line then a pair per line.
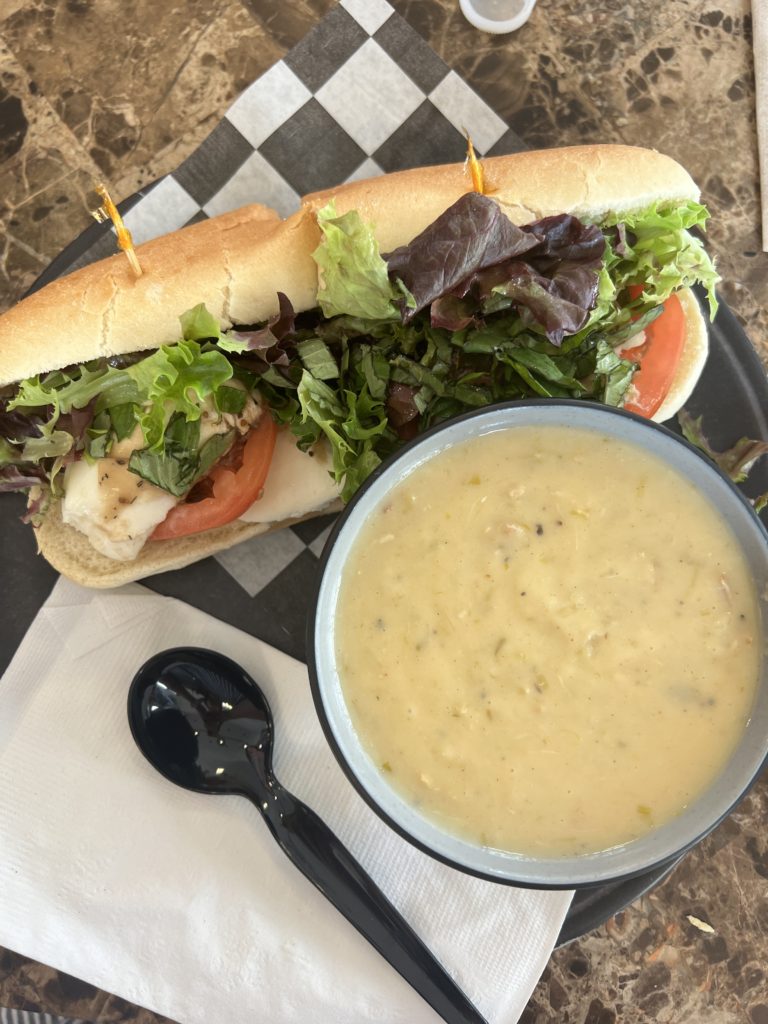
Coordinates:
x,y
233,490
658,357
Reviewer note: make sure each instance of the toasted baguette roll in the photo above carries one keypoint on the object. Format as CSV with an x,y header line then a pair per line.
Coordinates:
x,y
236,264
589,182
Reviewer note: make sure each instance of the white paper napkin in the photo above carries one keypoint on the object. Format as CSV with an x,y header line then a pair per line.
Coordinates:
x,y
760,50
183,903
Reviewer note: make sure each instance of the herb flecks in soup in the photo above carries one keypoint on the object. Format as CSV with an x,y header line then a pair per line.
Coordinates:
x,y
548,640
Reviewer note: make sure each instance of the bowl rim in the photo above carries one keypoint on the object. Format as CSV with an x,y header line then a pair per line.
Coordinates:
x,y
535,879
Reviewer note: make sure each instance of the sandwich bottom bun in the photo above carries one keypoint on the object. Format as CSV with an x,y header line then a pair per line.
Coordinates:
x,y
70,552
692,360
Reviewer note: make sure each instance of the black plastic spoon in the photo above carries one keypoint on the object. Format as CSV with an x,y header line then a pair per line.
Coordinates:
x,y
201,720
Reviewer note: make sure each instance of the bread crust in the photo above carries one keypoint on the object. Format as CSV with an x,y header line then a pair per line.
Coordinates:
x,y
692,358
236,264
70,553
589,182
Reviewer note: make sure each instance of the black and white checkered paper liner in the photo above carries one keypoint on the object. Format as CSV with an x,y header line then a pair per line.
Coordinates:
x,y
25,1017
362,94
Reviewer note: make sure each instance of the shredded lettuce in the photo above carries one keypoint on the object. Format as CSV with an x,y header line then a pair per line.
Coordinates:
x,y
317,359
350,421
163,393
475,310
175,378
505,313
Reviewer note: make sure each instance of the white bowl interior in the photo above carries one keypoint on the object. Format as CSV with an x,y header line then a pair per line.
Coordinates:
x,y
630,858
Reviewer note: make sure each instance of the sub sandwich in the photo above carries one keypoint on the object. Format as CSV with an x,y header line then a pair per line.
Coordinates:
x,y
259,369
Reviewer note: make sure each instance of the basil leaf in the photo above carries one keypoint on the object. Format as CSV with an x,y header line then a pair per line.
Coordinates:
x,y
99,445
616,383
99,436
230,400
212,451
173,469
183,432
621,334
533,383
123,419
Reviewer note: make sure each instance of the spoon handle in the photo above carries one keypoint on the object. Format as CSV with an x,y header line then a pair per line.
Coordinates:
x,y
321,856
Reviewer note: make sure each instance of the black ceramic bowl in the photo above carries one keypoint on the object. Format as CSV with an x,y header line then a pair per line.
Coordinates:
x,y
633,858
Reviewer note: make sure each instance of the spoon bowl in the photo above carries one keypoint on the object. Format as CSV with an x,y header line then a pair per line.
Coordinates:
x,y
205,725
200,719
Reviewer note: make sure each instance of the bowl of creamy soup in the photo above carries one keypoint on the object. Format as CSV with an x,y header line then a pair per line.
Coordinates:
x,y
538,644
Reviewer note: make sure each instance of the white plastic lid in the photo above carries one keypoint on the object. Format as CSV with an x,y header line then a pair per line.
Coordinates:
x,y
497,16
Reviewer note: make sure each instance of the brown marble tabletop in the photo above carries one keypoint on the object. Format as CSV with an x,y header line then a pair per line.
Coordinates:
x,y
98,89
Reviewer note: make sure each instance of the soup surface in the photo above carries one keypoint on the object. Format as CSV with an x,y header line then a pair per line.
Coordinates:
x,y
548,640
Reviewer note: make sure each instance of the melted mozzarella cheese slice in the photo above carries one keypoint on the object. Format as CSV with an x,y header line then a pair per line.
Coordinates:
x,y
634,342
118,510
113,507
297,483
